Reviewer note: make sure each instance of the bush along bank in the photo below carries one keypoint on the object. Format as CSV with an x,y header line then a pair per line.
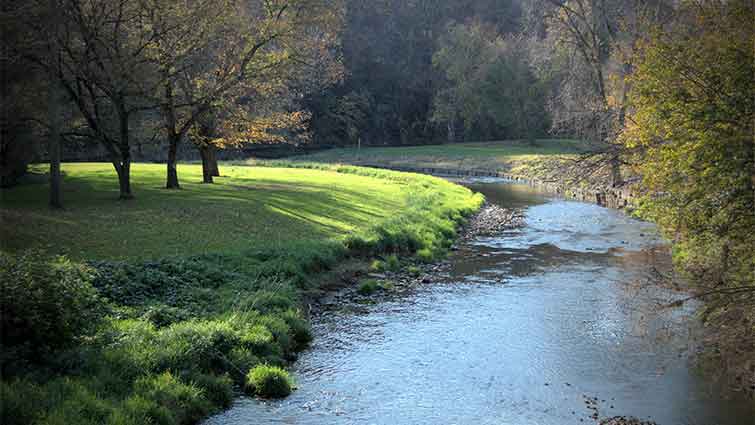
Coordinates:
x,y
173,340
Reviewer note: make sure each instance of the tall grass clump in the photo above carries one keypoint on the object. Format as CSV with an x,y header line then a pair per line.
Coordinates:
x,y
269,382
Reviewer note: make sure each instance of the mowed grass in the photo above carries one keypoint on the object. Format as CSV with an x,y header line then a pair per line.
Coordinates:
x,y
508,156
247,207
208,301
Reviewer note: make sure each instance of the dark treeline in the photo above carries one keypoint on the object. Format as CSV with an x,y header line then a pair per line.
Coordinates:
x,y
391,84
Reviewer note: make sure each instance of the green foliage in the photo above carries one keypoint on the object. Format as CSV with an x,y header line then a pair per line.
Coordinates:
x,y
377,266
134,284
426,255
299,329
217,389
136,410
692,134
490,86
20,402
45,304
270,302
178,402
184,329
694,99
74,403
162,315
368,287
392,263
269,382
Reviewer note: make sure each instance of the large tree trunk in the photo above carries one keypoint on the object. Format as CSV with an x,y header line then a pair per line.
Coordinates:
x,y
53,147
172,182
204,152
123,164
54,99
173,137
123,169
213,160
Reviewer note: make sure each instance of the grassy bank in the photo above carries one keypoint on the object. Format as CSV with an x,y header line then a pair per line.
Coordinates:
x,y
553,165
515,157
169,304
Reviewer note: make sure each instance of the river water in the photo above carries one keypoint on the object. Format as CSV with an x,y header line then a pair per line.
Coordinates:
x,y
544,324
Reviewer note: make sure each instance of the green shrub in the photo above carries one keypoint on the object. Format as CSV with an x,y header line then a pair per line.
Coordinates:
x,y
377,266
217,389
392,263
186,403
45,304
269,382
414,271
301,332
387,286
426,255
242,359
270,302
138,284
281,332
162,315
136,410
74,403
20,402
368,287
260,340
197,345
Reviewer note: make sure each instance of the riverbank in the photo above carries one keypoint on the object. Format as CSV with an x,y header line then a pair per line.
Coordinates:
x,y
457,339
552,166
198,286
549,165
388,277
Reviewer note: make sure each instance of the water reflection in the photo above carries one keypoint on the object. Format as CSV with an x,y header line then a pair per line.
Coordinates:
x,y
527,324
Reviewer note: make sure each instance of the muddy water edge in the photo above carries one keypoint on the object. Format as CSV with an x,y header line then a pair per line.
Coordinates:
x,y
550,322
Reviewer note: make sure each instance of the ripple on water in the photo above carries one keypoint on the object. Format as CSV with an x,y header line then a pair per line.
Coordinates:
x,y
531,324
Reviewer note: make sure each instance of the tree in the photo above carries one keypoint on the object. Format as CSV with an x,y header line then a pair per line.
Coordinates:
x,y
690,127
30,30
589,44
490,85
55,98
210,56
103,70
17,82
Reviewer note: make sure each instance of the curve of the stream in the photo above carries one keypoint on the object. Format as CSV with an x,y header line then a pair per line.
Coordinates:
x,y
551,323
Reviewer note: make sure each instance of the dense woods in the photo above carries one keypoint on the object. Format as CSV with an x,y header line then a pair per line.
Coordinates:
x,y
659,94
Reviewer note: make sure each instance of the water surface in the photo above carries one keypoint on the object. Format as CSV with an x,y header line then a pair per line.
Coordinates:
x,y
526,327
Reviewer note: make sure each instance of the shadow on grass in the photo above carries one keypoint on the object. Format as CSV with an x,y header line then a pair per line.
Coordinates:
x,y
225,217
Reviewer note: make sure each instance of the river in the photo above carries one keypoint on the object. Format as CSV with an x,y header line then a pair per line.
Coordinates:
x,y
550,323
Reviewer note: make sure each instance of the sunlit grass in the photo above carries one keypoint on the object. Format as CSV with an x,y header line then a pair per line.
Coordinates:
x,y
500,155
208,298
249,206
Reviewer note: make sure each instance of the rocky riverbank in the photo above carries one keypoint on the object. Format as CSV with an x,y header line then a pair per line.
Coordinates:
x,y
548,177
344,286
490,220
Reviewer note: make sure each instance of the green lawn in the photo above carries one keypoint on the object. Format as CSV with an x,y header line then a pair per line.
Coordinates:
x,y
507,156
209,296
248,207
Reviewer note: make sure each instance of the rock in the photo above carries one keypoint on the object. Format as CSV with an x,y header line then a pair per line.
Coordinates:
x,y
493,219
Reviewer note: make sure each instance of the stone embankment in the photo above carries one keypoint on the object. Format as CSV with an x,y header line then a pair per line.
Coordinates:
x,y
617,198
